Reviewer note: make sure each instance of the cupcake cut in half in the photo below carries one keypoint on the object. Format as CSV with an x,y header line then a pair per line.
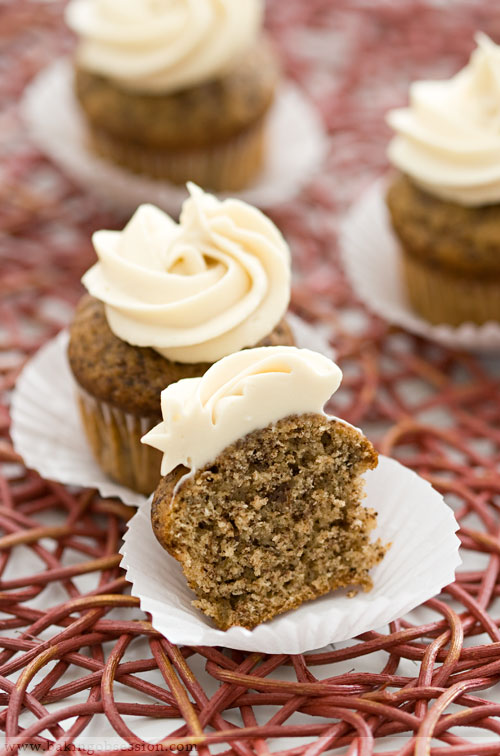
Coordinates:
x,y
261,495
445,202
176,89
166,300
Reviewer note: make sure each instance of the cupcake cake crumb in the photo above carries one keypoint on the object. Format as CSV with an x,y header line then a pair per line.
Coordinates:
x,y
274,521
261,495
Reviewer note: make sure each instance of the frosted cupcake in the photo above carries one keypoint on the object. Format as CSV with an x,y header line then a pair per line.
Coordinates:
x,y
176,89
261,499
445,203
165,301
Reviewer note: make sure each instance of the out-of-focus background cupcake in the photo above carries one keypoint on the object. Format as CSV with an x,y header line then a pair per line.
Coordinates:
x,y
178,90
445,204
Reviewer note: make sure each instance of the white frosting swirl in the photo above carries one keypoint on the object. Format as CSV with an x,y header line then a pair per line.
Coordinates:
x,y
163,45
241,393
195,291
448,140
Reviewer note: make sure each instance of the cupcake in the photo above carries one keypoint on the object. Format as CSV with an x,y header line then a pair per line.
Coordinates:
x,y
175,89
260,499
165,301
445,202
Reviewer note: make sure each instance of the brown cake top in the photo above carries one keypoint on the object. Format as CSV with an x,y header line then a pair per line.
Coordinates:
x,y
237,395
460,240
199,117
130,378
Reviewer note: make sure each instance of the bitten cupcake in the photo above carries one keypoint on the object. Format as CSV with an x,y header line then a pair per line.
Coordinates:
x,y
261,496
445,203
166,301
176,89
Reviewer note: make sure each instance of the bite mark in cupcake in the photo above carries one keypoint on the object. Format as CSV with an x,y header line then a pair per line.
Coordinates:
x,y
261,496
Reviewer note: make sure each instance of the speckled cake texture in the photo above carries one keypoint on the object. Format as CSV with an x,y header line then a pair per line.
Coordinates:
x,y
275,520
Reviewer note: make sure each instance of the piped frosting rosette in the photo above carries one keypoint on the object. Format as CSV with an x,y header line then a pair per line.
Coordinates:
x,y
241,393
195,291
448,139
163,45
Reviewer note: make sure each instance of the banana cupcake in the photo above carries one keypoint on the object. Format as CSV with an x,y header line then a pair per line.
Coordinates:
x,y
165,301
176,89
261,499
445,202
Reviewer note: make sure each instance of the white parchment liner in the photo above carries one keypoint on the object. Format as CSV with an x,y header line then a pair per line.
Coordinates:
x,y
371,258
422,560
46,426
297,146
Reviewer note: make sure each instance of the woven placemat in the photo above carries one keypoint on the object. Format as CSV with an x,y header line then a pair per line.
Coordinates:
x,y
82,664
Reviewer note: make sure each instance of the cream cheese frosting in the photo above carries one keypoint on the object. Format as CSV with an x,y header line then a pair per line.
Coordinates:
x,y
163,45
195,291
448,139
243,392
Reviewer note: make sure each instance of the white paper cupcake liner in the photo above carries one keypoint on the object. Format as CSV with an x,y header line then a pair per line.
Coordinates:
x,y
297,145
422,559
115,438
371,258
46,426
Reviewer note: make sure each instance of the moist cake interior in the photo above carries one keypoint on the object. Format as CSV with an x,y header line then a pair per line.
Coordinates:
x,y
275,520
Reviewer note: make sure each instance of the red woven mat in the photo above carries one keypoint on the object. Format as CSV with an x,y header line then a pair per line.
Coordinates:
x,y
83,665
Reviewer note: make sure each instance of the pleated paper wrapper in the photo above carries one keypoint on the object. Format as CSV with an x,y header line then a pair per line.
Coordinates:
x,y
421,560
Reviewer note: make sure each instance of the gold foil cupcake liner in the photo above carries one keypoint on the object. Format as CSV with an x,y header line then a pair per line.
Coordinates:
x,y
441,297
115,439
227,166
